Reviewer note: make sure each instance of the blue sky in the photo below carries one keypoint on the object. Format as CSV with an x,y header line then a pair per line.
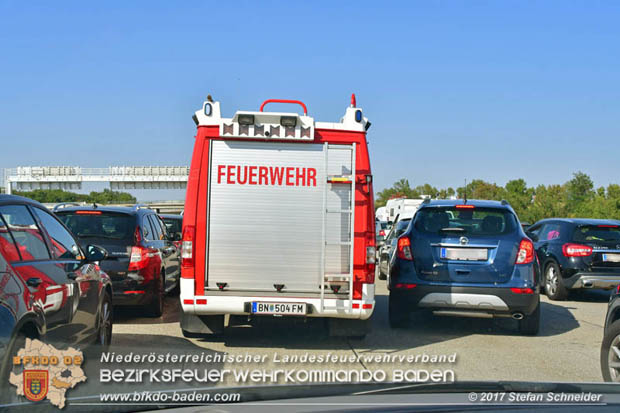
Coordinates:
x,y
455,89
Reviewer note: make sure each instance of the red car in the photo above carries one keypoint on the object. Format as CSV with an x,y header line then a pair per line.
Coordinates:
x,y
50,288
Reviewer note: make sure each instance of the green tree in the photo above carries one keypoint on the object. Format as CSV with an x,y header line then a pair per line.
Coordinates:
x,y
479,189
548,202
579,191
400,189
107,196
519,196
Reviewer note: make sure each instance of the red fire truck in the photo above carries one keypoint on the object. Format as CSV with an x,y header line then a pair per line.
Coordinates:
x,y
279,220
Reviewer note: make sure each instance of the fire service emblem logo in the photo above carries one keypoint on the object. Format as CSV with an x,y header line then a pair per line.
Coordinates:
x,y
35,384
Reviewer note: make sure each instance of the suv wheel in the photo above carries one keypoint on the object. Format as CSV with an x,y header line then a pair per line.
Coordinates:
x,y
104,321
157,305
382,276
398,312
554,287
610,353
530,324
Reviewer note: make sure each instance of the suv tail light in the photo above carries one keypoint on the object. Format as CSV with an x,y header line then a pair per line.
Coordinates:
x,y
526,252
576,250
139,258
524,290
187,247
404,248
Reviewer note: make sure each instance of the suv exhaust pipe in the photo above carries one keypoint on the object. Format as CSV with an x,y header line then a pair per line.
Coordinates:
x,y
518,316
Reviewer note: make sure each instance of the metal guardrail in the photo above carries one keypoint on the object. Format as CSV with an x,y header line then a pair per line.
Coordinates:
x,y
22,171
72,177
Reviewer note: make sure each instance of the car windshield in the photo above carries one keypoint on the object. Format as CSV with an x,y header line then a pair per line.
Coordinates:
x,y
471,220
98,224
587,233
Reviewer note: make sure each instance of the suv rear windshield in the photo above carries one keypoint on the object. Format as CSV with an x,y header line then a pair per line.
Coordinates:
x,y
471,221
585,233
173,225
99,224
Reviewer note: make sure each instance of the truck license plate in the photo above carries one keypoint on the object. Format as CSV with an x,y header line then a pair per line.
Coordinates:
x,y
259,307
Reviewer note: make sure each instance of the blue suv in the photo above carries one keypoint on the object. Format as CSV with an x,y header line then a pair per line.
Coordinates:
x,y
465,257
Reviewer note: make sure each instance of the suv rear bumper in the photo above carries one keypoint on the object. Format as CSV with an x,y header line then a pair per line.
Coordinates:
x,y
240,304
132,293
592,280
497,301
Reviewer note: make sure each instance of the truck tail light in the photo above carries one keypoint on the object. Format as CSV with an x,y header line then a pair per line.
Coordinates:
x,y
404,248
187,246
576,250
526,252
371,255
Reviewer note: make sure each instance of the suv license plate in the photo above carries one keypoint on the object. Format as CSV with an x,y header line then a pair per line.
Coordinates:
x,y
611,257
464,254
259,307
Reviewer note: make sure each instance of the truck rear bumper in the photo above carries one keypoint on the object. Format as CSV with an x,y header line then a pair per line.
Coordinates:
x,y
239,305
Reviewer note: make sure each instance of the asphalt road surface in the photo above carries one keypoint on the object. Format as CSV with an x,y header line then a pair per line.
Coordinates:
x,y
566,349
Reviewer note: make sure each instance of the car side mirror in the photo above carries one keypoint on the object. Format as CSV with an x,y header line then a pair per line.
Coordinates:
x,y
532,236
95,253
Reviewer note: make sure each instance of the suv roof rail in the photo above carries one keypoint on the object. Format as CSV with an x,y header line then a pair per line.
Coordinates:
x,y
64,205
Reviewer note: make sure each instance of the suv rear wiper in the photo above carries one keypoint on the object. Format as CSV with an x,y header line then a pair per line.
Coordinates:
x,y
452,229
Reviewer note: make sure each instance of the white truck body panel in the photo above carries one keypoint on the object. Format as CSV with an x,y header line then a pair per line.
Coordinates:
x,y
260,235
398,206
382,214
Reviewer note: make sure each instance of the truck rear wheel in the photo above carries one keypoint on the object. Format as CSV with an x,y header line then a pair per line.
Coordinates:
x,y
197,326
351,328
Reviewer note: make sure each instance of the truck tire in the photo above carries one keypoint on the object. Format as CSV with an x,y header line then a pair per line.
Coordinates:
x,y
201,326
398,313
530,324
554,286
350,328
189,334
611,337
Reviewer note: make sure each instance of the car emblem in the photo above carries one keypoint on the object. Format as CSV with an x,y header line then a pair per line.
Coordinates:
x,y
463,240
